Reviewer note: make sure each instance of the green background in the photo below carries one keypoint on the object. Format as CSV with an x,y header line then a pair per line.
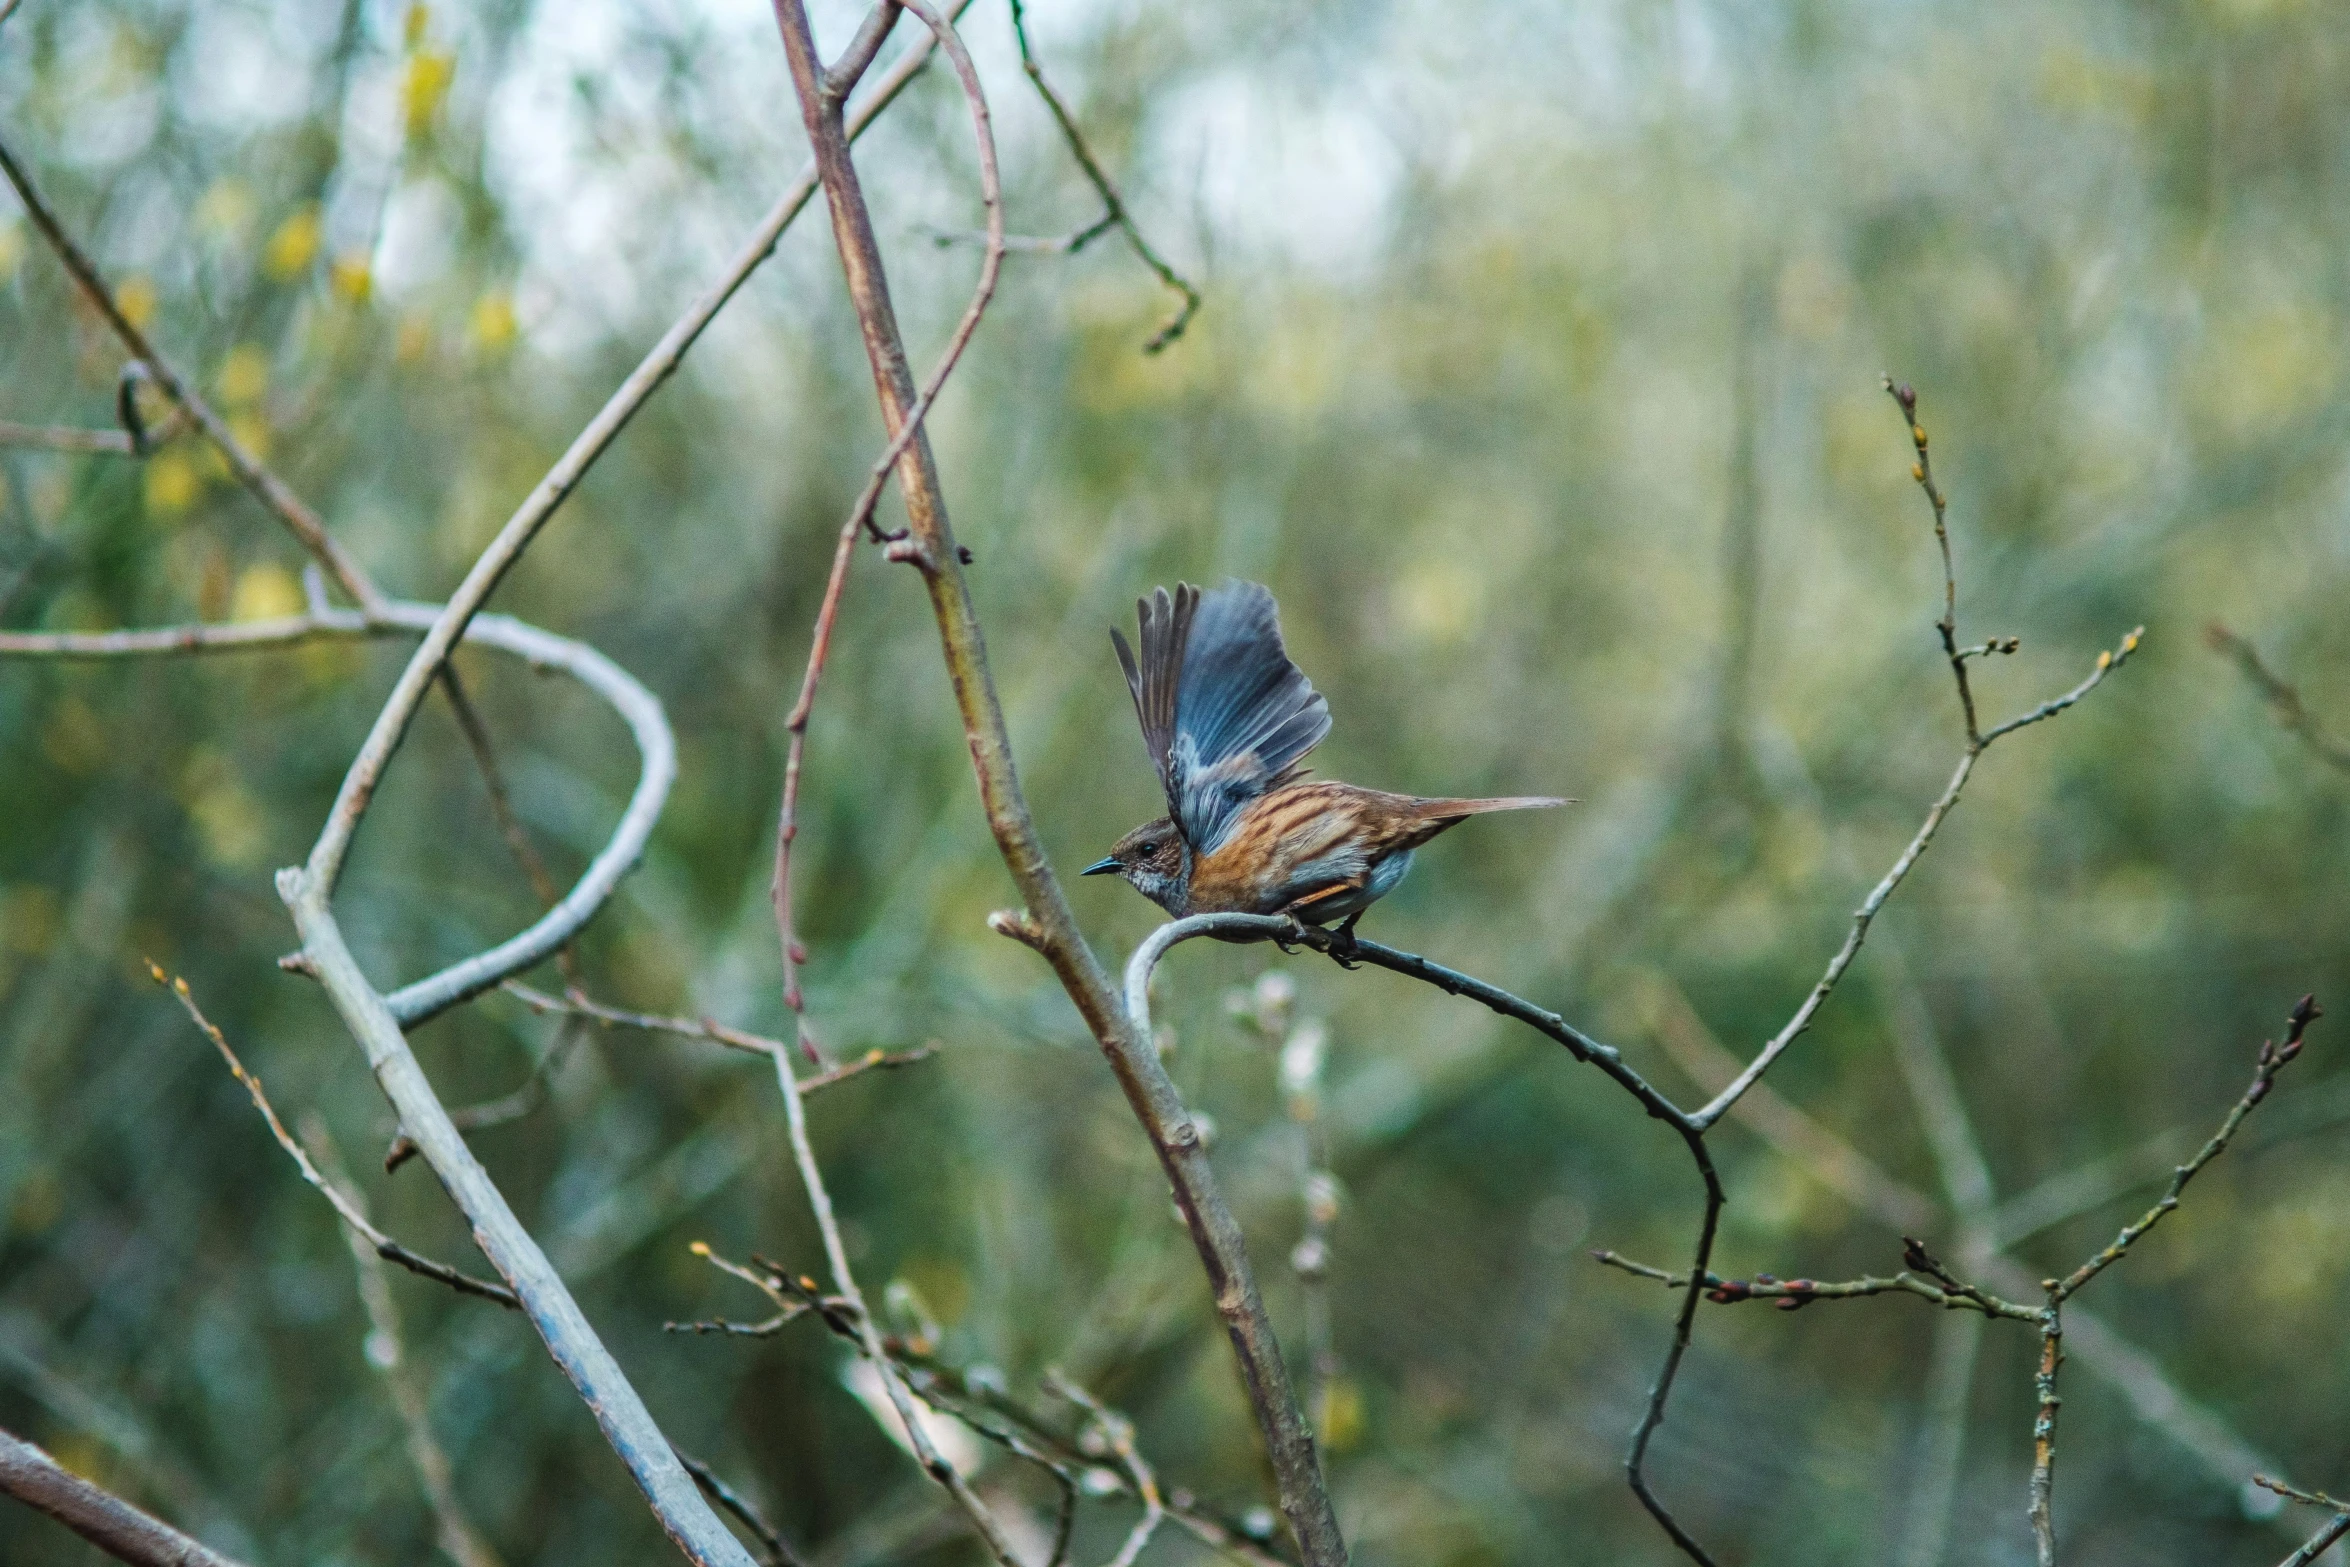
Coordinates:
x,y
1537,374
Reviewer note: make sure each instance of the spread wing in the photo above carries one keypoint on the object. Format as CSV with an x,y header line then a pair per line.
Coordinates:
x,y
1224,712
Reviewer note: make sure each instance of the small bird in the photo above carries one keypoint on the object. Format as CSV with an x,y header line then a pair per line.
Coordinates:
x,y
1228,718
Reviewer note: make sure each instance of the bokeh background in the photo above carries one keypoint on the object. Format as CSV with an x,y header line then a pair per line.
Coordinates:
x,y
1538,374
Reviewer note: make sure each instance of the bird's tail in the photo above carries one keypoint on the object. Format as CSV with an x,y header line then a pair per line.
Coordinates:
x,y
1454,810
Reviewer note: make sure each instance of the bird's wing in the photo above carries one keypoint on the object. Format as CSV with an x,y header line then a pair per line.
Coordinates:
x,y
1244,714
1165,627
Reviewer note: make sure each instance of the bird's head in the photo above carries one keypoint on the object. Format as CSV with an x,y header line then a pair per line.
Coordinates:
x,y
1154,860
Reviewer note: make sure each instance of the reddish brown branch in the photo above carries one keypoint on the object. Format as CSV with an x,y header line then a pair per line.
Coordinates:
x,y
930,546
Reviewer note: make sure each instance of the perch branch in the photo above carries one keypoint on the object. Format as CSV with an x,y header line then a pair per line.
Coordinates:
x,y
98,1516
1349,951
1152,1095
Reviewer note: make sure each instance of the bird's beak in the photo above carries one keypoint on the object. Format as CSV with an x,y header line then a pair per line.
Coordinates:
x,y
1108,867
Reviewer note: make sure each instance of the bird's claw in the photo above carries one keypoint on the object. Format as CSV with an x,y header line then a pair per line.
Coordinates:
x,y
1293,938
1341,949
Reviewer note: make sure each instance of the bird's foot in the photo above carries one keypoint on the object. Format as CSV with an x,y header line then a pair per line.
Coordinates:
x,y
1342,948
1293,938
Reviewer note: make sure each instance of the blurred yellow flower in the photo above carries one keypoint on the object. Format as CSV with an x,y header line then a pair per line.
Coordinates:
x,y
414,341
265,591
244,374
227,206
493,321
172,483
135,297
414,25
424,86
293,246
252,433
75,739
228,819
1339,1420
30,918
351,277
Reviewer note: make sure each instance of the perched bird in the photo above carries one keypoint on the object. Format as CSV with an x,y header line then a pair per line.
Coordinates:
x,y
1228,718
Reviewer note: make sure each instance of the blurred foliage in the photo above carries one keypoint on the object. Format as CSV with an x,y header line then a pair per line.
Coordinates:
x,y
1538,375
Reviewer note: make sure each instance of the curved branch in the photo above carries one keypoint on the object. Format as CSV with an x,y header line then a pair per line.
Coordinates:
x,y
1349,952
391,725
637,707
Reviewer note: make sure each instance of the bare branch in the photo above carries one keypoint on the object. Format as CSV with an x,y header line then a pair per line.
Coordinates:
x,y
844,1280
74,438
931,547
1350,951
391,725
2317,1544
579,1005
1795,1294
1118,1432
779,1551
98,1516
387,1351
1918,844
266,486
1113,205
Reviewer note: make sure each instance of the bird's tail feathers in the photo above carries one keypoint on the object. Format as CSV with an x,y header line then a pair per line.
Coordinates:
x,y
1454,810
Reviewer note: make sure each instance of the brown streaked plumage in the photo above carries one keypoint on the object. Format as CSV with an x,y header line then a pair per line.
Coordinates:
x,y
1227,719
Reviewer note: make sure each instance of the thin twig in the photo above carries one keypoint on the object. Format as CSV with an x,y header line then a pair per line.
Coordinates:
x,y
844,1280
352,1215
75,438
1978,740
2318,1543
1795,1294
376,1021
579,1005
2273,1058
387,1351
1113,204
391,725
779,1551
1118,1431
2282,697
1068,244
97,1515
265,485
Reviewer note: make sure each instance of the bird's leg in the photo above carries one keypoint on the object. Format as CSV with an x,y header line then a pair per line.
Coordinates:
x,y
1295,937
1342,942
